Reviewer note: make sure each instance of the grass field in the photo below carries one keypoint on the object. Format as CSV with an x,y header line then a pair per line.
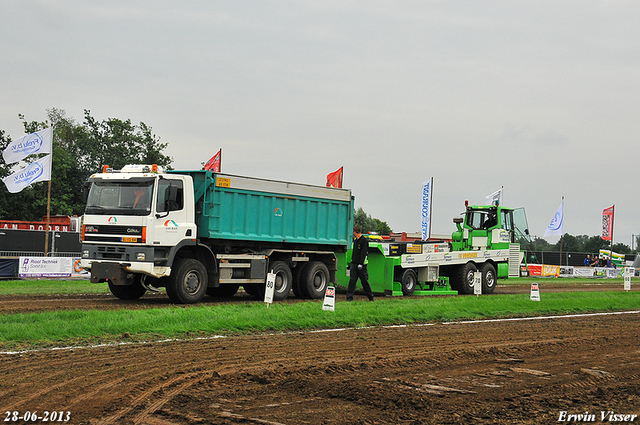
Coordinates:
x,y
80,327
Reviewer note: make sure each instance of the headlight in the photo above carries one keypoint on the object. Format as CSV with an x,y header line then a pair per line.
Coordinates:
x,y
140,256
85,254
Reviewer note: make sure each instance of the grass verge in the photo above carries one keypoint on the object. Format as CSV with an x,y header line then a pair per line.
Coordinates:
x,y
79,327
48,286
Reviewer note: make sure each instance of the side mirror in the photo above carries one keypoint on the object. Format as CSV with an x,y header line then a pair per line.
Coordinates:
x,y
85,192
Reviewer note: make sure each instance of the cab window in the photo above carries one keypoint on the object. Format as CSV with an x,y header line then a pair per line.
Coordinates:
x,y
164,203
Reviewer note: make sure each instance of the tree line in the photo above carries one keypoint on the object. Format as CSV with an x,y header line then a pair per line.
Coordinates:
x,y
582,243
79,150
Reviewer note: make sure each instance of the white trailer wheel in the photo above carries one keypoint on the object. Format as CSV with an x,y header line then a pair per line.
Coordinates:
x,y
464,277
409,280
489,278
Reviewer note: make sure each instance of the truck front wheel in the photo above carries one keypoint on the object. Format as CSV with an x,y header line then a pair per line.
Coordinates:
x,y
188,282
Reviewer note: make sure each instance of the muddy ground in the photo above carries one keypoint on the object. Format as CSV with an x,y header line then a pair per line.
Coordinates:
x,y
525,371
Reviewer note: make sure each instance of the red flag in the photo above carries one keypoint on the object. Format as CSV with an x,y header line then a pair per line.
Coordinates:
x,y
214,163
335,179
607,223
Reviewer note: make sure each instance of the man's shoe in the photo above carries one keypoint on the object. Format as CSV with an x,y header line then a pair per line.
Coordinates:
x,y
372,299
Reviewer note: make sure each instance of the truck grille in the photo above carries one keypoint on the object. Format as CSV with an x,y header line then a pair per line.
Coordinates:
x,y
112,233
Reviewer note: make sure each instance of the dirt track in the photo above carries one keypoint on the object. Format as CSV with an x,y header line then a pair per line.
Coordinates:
x,y
488,372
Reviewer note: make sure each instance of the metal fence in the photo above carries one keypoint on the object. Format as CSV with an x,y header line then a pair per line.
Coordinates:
x,y
552,258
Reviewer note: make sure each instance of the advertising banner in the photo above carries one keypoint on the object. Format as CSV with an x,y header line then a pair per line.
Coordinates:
x,y
607,223
46,266
535,269
427,189
583,272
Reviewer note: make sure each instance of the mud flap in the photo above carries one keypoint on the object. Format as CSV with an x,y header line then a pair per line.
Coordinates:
x,y
109,271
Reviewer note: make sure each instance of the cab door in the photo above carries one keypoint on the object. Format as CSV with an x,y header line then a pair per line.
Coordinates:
x,y
171,221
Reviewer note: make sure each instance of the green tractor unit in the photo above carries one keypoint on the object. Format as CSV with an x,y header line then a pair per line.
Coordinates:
x,y
486,240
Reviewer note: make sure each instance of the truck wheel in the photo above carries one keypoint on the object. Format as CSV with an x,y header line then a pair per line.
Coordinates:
x,y
253,289
315,280
188,282
284,280
464,278
489,279
223,291
409,280
128,292
298,281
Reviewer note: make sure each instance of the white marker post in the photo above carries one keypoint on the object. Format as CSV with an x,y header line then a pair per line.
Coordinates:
x,y
329,303
627,281
270,288
477,283
535,292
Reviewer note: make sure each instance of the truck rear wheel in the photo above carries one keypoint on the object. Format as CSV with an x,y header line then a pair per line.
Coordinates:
x,y
315,280
409,280
298,280
188,282
128,292
464,278
284,280
489,278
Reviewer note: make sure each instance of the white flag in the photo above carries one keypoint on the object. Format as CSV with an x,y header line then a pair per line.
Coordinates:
x,y
427,189
495,198
555,227
38,142
37,171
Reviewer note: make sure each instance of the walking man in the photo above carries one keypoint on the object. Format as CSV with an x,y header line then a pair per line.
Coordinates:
x,y
358,267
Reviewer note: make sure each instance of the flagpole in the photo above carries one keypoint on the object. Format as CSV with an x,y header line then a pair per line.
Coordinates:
x,y
613,213
220,166
46,238
562,236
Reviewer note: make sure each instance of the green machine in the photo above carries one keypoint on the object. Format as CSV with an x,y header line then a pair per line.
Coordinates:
x,y
486,241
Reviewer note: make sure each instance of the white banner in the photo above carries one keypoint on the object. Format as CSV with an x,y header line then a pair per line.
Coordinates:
x,y
495,198
46,266
583,272
38,142
556,225
427,188
37,171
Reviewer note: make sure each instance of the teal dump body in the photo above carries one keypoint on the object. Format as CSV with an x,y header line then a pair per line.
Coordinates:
x,y
230,207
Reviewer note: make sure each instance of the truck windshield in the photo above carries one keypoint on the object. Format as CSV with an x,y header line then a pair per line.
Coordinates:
x,y
120,197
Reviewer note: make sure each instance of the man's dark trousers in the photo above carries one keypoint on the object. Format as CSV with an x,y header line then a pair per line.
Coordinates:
x,y
356,274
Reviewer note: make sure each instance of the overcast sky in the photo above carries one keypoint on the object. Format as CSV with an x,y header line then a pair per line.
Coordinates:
x,y
539,97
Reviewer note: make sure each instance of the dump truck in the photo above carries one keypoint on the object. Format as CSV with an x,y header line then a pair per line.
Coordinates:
x,y
199,233
486,240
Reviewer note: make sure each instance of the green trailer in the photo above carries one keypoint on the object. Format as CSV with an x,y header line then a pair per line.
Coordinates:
x,y
486,241
386,277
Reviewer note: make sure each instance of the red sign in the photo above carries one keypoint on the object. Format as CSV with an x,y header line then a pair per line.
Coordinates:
x,y
607,223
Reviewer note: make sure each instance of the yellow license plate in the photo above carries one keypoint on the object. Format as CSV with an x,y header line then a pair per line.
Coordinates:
x,y
129,239
223,182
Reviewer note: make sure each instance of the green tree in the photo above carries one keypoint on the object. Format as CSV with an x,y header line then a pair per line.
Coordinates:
x,y
79,150
621,248
369,224
595,244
